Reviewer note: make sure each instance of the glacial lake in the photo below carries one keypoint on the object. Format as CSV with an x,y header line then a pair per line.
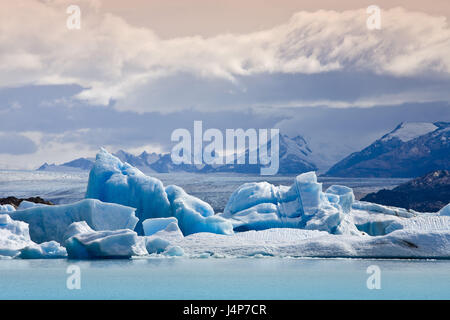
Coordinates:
x,y
233,278
248,278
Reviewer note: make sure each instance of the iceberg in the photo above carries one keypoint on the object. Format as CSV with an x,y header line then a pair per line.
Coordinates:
x,y
49,223
378,208
445,211
259,206
195,215
110,180
84,243
162,226
46,250
7,208
288,242
14,236
152,226
345,196
160,232
421,223
28,204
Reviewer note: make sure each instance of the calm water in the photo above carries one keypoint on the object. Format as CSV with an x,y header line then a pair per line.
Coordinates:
x,y
268,278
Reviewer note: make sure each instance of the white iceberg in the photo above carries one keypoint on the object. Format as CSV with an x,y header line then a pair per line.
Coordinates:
x,y
288,242
5,208
160,232
84,243
345,196
28,204
14,236
152,226
421,223
46,250
49,223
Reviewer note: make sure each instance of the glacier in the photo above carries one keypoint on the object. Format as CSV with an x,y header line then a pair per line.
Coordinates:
x,y
111,180
49,223
82,242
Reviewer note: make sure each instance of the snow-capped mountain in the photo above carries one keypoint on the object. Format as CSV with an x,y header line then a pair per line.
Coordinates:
x,y
294,154
412,149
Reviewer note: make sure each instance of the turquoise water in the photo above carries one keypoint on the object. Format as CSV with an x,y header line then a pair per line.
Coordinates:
x,y
266,278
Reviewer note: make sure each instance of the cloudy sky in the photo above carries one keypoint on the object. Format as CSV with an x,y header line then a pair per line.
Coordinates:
x,y
137,70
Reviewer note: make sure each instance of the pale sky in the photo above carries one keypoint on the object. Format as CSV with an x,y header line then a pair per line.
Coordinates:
x,y
175,18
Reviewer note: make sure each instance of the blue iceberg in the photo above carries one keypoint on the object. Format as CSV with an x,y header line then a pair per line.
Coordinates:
x,y
110,180
195,215
49,223
260,205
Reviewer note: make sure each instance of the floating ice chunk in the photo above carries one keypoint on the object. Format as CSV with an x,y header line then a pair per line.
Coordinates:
x,y
152,226
4,208
445,211
90,244
345,194
258,206
326,218
46,250
156,244
160,232
249,195
110,180
309,191
14,236
195,215
50,222
28,204
174,251
261,216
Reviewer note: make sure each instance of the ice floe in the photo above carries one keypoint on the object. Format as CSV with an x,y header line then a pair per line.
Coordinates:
x,y
49,223
84,243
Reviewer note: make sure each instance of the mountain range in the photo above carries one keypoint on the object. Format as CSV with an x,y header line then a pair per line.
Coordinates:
x,y
294,157
412,149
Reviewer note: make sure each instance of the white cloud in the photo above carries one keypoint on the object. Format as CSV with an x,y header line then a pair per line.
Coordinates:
x,y
112,59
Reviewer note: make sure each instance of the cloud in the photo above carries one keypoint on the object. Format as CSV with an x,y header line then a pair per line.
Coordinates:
x,y
115,61
16,144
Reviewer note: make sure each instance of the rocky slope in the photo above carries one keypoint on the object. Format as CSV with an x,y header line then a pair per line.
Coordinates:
x,y
428,193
